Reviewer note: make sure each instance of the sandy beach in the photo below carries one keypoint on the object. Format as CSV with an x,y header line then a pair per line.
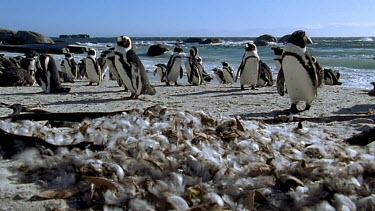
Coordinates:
x,y
214,99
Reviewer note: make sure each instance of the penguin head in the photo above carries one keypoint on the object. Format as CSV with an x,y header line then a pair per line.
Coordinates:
x,y
68,55
300,39
91,52
277,50
225,64
125,42
250,47
199,60
178,49
195,50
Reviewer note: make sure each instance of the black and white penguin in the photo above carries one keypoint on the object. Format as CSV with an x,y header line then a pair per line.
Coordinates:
x,y
28,62
102,61
174,68
113,73
205,76
228,73
69,65
193,72
131,69
161,70
47,75
93,71
248,70
280,80
299,71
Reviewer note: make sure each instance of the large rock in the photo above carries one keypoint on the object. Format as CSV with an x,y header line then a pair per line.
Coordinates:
x,y
29,37
22,37
156,50
264,39
194,40
211,40
7,36
284,38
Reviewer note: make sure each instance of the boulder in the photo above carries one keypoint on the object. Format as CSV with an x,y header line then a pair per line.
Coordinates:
x,y
194,40
156,50
211,40
264,39
284,38
29,37
7,36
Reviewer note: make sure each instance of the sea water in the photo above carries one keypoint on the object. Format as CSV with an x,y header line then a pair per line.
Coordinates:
x,y
353,57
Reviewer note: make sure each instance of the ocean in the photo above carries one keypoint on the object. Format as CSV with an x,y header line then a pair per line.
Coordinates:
x,y
353,57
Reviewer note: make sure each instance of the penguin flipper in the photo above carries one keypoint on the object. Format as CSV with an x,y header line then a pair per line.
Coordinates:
x,y
280,83
181,72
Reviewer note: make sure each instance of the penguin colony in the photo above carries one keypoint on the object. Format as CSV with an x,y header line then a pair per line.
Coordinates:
x,y
299,74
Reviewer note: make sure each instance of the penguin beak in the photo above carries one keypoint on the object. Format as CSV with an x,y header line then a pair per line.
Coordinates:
x,y
309,40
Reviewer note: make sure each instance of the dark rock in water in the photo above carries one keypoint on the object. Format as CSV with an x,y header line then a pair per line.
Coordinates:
x,y
284,38
74,36
267,38
194,40
211,40
15,76
156,50
260,43
264,40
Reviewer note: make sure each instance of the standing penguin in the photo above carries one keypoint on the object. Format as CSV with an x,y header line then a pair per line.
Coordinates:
x,y
110,61
47,75
249,67
174,68
93,71
161,70
205,76
299,71
131,69
228,74
193,72
280,80
69,65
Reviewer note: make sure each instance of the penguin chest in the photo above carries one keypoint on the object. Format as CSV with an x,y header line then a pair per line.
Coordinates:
x,y
174,73
92,71
250,72
65,67
297,80
112,69
45,83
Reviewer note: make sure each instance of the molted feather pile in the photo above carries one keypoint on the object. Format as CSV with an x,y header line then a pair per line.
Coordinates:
x,y
159,159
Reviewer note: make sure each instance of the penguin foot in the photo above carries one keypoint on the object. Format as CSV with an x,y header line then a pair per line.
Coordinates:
x,y
293,109
252,87
168,84
176,84
242,87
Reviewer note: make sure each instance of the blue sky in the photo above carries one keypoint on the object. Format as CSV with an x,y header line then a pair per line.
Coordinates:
x,y
190,17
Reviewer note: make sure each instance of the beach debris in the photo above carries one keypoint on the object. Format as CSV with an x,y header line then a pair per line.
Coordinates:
x,y
372,91
161,158
364,138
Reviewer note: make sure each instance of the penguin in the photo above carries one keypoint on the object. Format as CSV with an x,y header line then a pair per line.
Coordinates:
x,y
47,75
228,74
219,75
69,65
301,78
114,75
15,76
131,69
248,70
161,70
28,62
280,80
174,68
205,76
93,71
103,63
193,72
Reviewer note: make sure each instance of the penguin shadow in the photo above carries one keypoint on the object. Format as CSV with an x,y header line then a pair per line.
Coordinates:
x,y
89,101
270,114
362,108
224,93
